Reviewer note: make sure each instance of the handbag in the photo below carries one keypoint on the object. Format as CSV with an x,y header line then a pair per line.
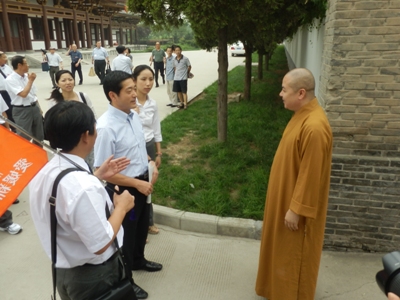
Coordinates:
x,y
108,69
91,72
45,65
123,290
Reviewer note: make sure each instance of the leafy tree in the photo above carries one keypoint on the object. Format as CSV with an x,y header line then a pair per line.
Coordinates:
x,y
143,32
211,22
267,23
257,23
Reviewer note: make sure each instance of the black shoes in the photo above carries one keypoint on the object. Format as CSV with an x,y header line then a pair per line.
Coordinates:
x,y
140,293
157,85
150,266
16,201
163,80
169,104
80,83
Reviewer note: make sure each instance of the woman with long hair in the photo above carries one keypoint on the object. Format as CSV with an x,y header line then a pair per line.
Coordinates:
x,y
148,113
65,92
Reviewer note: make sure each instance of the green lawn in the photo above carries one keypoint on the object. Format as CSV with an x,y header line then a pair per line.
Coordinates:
x,y
199,174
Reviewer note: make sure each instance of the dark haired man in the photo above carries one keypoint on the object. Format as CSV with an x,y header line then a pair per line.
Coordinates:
x,y
182,69
55,63
87,260
122,62
26,110
158,57
120,133
76,58
99,59
169,73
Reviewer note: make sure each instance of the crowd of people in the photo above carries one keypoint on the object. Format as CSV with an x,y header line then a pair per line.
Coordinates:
x,y
122,147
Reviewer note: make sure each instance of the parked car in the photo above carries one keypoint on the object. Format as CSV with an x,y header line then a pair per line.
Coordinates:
x,y
237,49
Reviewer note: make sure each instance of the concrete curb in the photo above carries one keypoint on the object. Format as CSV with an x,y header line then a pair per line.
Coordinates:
x,y
202,223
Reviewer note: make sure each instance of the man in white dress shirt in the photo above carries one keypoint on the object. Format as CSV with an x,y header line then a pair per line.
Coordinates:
x,y
99,60
87,260
26,110
120,133
55,63
5,71
6,221
122,62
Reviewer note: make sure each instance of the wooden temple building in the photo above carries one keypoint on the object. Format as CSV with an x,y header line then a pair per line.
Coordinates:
x,y
40,24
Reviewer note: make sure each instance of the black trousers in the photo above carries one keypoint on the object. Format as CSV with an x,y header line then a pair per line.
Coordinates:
x,y
7,99
52,73
79,69
159,67
136,227
100,69
6,219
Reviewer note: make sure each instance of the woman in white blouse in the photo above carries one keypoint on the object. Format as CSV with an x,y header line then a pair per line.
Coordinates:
x,y
148,113
65,92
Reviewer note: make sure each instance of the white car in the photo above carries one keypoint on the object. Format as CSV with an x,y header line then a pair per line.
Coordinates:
x,y
237,49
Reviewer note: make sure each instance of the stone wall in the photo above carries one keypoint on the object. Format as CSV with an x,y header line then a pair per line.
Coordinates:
x,y
360,90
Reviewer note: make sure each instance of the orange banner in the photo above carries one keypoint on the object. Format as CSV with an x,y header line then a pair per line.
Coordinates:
x,y
20,160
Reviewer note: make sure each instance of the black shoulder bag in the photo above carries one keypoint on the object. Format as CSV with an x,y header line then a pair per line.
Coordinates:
x,y
123,290
83,97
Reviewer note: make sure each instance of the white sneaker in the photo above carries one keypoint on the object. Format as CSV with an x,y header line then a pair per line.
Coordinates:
x,y
14,228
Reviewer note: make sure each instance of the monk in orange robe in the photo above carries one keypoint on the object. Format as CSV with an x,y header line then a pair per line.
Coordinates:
x,y
297,197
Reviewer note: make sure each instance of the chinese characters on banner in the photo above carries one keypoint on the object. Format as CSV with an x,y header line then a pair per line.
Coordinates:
x,y
20,161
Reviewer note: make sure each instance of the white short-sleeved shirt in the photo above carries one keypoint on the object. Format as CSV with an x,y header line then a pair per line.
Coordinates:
x,y
6,71
181,68
3,108
89,103
122,63
99,53
82,225
15,84
148,114
121,134
53,59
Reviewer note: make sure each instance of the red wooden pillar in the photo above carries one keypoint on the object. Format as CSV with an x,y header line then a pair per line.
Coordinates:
x,y
110,39
121,36
82,34
75,28
46,28
6,26
102,32
88,33
58,33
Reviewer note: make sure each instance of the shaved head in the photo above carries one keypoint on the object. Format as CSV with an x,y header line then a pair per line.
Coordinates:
x,y
301,79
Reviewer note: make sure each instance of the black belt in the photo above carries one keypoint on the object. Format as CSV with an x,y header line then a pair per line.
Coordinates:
x,y
54,66
32,104
114,256
145,176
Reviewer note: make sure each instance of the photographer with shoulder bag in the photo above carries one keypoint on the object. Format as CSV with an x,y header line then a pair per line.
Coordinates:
x,y
85,227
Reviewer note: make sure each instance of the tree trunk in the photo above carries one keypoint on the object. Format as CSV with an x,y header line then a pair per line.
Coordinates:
x,y
260,74
267,58
222,97
247,75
